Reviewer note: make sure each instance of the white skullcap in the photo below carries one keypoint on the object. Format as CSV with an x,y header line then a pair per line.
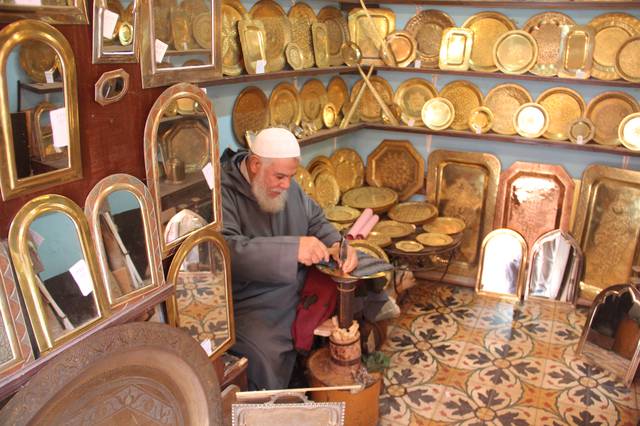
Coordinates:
x,y
275,143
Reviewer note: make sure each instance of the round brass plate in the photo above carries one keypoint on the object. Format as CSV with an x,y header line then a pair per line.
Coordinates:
x,y
411,96
349,168
313,96
369,109
36,58
402,46
581,131
444,225
301,17
351,53
564,107
413,212
487,28
303,178
438,113
341,214
465,97
377,199
250,112
337,31
627,61
546,29
629,132
531,120
285,108
277,30
503,101
201,26
409,246
426,28
294,56
515,52
394,229
480,120
327,190
379,239
318,161
329,115
611,31
337,92
369,248
430,239
606,111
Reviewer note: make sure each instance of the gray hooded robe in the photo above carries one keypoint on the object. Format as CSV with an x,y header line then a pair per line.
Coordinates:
x,y
267,277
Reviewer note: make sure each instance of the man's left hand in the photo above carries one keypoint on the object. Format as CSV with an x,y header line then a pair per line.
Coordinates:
x,y
350,263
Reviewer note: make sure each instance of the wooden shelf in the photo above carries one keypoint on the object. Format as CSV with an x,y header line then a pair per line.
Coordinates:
x,y
42,87
325,134
622,5
277,75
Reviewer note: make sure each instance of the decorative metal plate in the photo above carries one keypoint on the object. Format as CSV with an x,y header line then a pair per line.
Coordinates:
x,y
427,28
402,46
503,101
37,57
487,28
411,96
337,30
564,107
301,17
515,52
480,120
370,39
250,112
313,97
434,240
444,225
582,131
378,199
531,120
379,239
337,92
252,39
627,62
285,108
341,214
576,52
320,36
369,109
277,29
606,111
188,140
413,212
349,168
629,131
394,229
465,97
397,165
611,30
327,191
294,56
232,12
438,113
546,29
307,413
455,49
303,178
409,246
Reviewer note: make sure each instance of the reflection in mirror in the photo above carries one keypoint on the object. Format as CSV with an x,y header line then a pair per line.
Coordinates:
x,y
114,31
611,336
111,86
51,11
556,266
502,264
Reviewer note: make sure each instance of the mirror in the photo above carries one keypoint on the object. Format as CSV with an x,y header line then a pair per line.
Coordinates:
x,y
611,335
123,225
202,305
57,269
111,87
502,264
556,267
38,109
50,11
114,35
181,139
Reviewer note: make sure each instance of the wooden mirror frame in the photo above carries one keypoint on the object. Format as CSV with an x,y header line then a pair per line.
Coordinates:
x,y
19,248
10,37
99,193
107,77
100,56
74,14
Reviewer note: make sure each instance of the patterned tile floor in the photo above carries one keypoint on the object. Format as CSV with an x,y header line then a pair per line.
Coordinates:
x,y
459,358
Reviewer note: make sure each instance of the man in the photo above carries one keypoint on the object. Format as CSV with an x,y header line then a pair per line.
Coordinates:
x,y
274,231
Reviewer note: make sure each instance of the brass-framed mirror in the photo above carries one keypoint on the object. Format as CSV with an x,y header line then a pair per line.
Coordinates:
x,y
115,31
503,262
124,228
181,161
201,274
555,268
49,11
47,70
111,86
58,274
611,335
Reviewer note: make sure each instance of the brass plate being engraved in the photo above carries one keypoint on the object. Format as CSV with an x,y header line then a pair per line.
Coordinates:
x,y
301,17
409,246
36,58
313,96
368,38
337,92
294,56
379,239
464,185
329,115
546,29
378,199
430,239
402,46
534,199
338,33
232,12
480,120
515,52
369,110
201,25
394,229
607,224
611,31
629,132
531,120
487,28
397,165
410,97
576,52
606,111
445,225
320,44
188,140
455,49
326,190
250,112
413,212
277,30
427,28
503,101
438,113
465,97
564,107
181,30
341,214
303,178
582,131
627,61
285,108
253,39
349,168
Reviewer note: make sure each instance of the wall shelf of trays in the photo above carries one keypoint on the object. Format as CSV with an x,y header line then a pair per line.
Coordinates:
x,y
278,75
325,134
513,3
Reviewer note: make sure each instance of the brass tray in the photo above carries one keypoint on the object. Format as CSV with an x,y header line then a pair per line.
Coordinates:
x,y
397,165
402,46
438,113
36,58
285,108
564,107
303,178
487,28
194,7
277,31
515,52
582,131
327,191
181,30
337,92
611,30
318,161
320,44
250,112
431,239
301,17
629,131
378,199
294,56
341,214
444,225
531,120
369,110
252,39
370,39
379,239
329,115
413,212
162,21
394,229
232,12
546,29
480,120
338,33
313,97
606,111
455,49
576,52
503,101
627,61
201,25
427,28
465,97
349,168
188,140
371,249
410,97
318,170
409,246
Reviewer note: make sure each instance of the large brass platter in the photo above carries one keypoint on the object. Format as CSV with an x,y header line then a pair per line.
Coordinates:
x,y
606,111
487,28
327,191
413,212
438,113
232,12
430,239
629,132
341,214
36,58
250,112
427,28
349,168
576,52
301,17
411,96
564,107
455,49
627,61
320,36
503,101
378,199
285,108
337,92
369,110
402,46
252,39
397,165
368,38
515,52
338,33
465,97
444,225
546,29
394,229
611,31
531,120
277,29
303,178
313,96
188,140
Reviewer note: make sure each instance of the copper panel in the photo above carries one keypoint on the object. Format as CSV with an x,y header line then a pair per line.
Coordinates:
x,y
464,185
534,199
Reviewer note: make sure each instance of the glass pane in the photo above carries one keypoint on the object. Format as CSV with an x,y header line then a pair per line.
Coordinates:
x,y
551,269
120,40
501,264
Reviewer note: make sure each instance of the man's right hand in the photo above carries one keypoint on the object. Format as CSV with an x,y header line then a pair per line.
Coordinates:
x,y
311,251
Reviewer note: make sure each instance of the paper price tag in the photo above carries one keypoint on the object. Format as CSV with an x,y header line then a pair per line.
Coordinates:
x,y
161,49
477,129
260,64
204,90
80,273
29,2
580,74
59,127
580,140
207,171
109,22
48,76
411,122
206,345
417,63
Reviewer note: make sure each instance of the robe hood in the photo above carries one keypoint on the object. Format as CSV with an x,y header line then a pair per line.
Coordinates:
x,y
230,162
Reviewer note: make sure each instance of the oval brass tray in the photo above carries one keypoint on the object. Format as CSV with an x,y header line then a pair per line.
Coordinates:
x,y
327,191
36,58
611,31
294,56
301,17
313,97
606,111
413,212
503,101
427,28
627,62
431,239
480,120
285,108
515,52
379,239
252,40
629,132
465,97
444,225
402,46
409,246
531,120
394,229
303,178
337,92
369,110
438,113
546,29
582,131
487,28
338,32
341,214
411,96
349,168
576,52
564,107
250,112
277,30
375,198
232,12
320,36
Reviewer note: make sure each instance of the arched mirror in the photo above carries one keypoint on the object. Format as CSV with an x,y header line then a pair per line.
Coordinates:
x,y
503,260
611,335
57,269
555,268
114,31
111,87
181,158
124,228
201,274
38,109
50,11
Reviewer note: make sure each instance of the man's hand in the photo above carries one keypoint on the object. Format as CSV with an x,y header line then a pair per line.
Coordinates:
x,y
350,263
311,251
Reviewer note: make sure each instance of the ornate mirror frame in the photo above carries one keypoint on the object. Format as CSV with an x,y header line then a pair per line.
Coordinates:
x,y
101,56
105,79
181,90
19,248
203,235
99,193
10,36
74,14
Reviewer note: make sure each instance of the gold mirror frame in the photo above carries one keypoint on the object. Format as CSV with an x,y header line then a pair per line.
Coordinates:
x,y
19,247
11,36
173,93
106,78
99,193
75,14
203,235
99,55
521,270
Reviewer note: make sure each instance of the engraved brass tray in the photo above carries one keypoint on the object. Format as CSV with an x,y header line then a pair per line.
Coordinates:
x,y
277,31
320,44
370,249
250,112
394,229
341,214
188,140
438,113
546,29
369,110
368,38
338,33
611,31
606,111
349,168
629,132
379,239
232,12
201,25
465,97
455,49
576,52
411,96
432,239
413,212
402,46
303,178
503,101
337,92
480,120
427,28
378,199
487,28
313,97
397,165
582,130
301,17
253,40
444,225
627,61
294,56
319,161
36,58
285,108
531,120
181,30
515,52
409,246
564,107
327,191
329,115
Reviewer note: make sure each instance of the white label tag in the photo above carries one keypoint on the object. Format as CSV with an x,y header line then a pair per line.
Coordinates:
x,y
36,238
161,49
29,2
204,90
417,63
206,345
109,21
580,74
207,171
260,64
411,122
477,129
580,140
82,276
48,76
59,127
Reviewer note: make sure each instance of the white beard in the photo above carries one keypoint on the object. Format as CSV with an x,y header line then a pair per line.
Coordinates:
x,y
267,204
